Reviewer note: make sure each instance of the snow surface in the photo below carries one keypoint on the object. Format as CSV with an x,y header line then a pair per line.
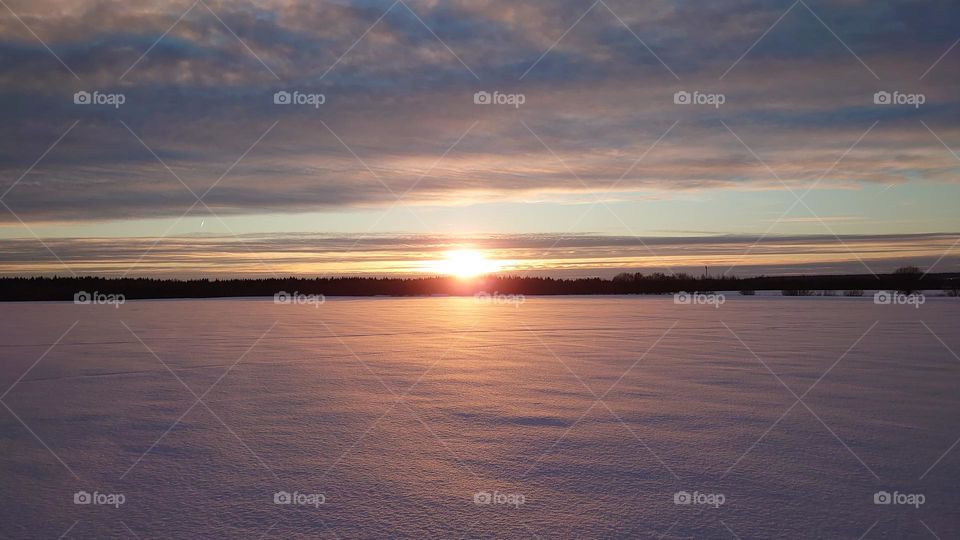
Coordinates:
x,y
492,398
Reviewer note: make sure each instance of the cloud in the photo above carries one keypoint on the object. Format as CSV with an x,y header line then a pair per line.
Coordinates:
x,y
524,254
399,98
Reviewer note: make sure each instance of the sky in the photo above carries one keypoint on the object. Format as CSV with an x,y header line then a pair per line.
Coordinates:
x,y
559,137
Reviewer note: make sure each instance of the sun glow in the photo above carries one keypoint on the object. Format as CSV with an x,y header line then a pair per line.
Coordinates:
x,y
465,263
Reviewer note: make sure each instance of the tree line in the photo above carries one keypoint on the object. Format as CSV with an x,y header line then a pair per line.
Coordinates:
x,y
907,279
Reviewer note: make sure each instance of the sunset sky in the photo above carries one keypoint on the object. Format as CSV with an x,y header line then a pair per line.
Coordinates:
x,y
199,172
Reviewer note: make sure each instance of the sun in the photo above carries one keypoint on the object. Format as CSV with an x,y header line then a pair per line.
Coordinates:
x,y
465,263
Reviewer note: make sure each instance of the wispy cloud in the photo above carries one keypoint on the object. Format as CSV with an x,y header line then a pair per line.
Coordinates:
x,y
399,95
530,254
